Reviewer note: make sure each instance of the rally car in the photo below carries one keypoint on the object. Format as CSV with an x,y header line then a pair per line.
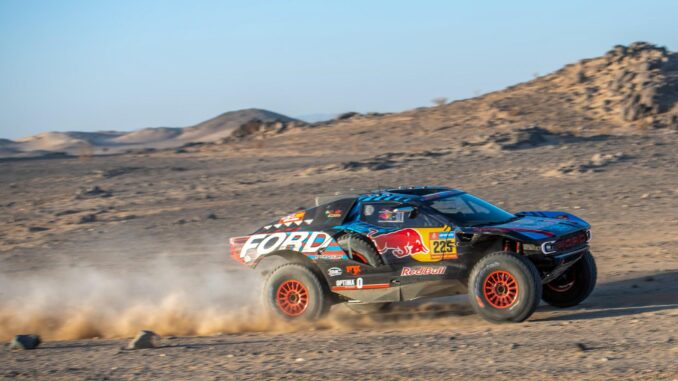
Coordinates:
x,y
373,249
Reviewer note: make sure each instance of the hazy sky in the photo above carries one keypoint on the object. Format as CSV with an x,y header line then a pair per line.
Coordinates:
x,y
101,65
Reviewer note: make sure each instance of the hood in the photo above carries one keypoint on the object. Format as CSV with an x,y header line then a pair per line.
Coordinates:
x,y
535,228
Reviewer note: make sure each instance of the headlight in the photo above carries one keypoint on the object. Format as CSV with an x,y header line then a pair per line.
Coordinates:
x,y
548,247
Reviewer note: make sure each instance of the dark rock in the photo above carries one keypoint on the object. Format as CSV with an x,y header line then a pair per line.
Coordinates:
x,y
116,172
94,191
87,219
66,212
582,347
25,342
347,115
36,229
143,340
211,216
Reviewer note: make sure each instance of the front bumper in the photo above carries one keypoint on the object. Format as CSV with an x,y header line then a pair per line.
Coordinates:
x,y
560,262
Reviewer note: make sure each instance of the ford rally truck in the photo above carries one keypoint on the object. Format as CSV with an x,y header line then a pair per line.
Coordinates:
x,y
392,245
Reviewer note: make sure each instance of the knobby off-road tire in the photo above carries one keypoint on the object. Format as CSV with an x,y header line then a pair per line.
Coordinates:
x,y
294,292
574,285
363,251
504,287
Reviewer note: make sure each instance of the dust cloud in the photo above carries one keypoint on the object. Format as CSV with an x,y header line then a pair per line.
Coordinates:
x,y
168,298
86,303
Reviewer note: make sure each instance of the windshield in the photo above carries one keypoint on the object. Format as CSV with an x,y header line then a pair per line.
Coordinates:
x,y
467,210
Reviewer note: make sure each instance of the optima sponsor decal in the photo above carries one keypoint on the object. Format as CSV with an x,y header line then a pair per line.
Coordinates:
x,y
423,270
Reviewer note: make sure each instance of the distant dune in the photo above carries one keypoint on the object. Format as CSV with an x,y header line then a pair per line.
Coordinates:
x,y
74,143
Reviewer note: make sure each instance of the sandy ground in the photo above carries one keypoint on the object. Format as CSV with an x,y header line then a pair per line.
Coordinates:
x,y
93,249
166,267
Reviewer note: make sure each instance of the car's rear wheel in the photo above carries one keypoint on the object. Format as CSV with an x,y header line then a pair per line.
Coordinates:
x,y
504,287
293,292
361,250
574,285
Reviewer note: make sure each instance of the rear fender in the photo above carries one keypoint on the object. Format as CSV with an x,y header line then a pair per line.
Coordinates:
x,y
313,245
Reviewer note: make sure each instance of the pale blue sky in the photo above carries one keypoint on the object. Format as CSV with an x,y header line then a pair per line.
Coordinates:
x,y
101,65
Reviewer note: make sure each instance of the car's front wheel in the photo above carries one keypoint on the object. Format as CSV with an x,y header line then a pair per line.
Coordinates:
x,y
293,292
504,287
574,285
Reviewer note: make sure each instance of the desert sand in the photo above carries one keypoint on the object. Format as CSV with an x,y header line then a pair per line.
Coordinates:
x,y
96,247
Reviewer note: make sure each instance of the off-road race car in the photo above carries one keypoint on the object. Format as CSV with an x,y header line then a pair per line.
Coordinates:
x,y
392,245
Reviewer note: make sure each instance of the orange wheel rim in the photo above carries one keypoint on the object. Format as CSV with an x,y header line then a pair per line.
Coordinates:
x,y
500,289
292,298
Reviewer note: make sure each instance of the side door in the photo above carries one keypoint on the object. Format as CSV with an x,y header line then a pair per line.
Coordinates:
x,y
407,234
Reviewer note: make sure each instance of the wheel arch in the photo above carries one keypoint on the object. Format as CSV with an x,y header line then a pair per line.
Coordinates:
x,y
485,244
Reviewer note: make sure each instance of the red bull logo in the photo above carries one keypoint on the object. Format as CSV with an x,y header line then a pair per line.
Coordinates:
x,y
401,243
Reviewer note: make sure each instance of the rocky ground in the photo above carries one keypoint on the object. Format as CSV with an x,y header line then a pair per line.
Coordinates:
x,y
103,246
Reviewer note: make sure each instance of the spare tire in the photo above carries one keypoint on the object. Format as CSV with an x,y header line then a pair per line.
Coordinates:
x,y
360,249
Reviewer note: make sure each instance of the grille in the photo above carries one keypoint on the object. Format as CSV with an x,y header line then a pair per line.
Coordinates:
x,y
571,241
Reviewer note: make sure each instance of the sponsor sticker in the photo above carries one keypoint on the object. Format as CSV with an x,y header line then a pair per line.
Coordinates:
x,y
333,213
305,242
355,270
346,283
401,243
294,217
423,270
334,271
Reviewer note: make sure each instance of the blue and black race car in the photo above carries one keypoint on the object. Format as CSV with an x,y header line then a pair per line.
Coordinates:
x,y
392,245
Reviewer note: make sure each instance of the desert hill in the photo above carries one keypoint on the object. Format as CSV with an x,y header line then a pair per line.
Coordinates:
x,y
627,90
76,143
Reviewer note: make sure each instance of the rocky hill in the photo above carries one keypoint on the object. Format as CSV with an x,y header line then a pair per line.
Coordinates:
x,y
630,89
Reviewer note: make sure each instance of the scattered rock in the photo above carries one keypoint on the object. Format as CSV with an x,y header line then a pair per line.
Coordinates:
x,y
87,219
522,138
25,342
180,221
256,127
107,174
92,192
582,347
597,163
36,229
143,340
66,212
211,216
513,346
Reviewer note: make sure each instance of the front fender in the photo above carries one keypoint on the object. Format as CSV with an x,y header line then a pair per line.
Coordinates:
x,y
557,215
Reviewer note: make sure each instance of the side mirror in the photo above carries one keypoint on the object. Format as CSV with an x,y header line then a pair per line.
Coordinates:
x,y
410,211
